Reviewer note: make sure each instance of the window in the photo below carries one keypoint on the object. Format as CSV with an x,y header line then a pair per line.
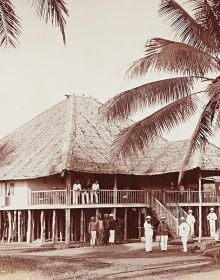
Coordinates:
x,y
9,189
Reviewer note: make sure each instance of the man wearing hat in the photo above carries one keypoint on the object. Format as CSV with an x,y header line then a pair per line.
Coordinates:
x,y
92,231
163,231
212,217
148,234
190,219
112,228
184,230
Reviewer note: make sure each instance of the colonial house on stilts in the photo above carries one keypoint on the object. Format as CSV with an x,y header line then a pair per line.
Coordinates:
x,y
40,161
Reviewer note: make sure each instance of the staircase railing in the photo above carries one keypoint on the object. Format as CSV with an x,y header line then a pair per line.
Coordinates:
x,y
162,212
177,211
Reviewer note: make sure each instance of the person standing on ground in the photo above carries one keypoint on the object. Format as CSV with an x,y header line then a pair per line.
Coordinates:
x,y
112,228
163,231
100,231
92,231
190,219
148,228
212,218
106,229
184,230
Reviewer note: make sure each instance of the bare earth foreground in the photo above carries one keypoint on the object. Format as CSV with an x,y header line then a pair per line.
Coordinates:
x,y
125,261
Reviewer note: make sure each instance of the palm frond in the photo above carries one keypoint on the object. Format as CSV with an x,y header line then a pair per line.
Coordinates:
x,y
187,29
155,93
134,138
207,13
54,11
9,24
203,130
175,57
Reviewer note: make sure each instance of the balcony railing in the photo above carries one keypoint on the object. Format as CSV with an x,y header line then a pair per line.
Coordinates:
x,y
60,197
189,197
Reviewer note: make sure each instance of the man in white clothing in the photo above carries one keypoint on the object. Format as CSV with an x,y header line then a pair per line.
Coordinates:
x,y
212,217
94,189
190,219
148,234
184,230
76,192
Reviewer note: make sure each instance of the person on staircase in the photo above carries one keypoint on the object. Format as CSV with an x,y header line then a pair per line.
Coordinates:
x,y
212,218
190,219
148,228
163,231
184,230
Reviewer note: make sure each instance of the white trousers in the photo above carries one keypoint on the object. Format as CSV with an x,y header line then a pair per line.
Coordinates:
x,y
76,197
184,240
149,241
112,236
212,228
92,194
92,237
191,229
163,242
85,197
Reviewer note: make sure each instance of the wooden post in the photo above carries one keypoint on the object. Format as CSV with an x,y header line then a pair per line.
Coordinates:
x,y
54,226
200,208
42,226
19,226
71,226
115,190
81,224
67,226
32,225
29,227
61,226
9,226
139,223
49,225
68,189
125,223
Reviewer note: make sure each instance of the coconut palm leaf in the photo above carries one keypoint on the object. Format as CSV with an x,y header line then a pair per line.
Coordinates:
x,y
155,93
54,11
187,29
176,57
9,24
134,138
208,15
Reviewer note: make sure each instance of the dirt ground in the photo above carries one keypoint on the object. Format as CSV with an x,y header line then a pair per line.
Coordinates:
x,y
125,261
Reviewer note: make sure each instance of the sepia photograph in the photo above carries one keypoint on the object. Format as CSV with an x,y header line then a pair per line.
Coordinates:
x,y
110,139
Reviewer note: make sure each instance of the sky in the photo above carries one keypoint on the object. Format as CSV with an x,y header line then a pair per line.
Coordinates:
x,y
103,38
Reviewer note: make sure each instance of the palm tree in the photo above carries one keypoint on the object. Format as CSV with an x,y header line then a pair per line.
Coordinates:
x,y
49,10
190,59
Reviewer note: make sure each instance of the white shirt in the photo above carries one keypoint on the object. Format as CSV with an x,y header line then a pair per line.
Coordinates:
x,y
190,219
148,229
184,229
77,187
212,216
95,187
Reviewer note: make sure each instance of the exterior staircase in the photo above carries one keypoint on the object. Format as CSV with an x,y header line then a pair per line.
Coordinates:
x,y
161,211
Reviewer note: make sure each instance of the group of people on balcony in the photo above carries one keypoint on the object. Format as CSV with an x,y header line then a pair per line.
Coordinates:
x,y
86,194
185,230
106,231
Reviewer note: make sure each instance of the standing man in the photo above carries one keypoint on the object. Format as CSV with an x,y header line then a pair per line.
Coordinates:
x,y
92,231
148,228
163,231
212,217
184,230
85,192
94,189
112,228
190,219
76,192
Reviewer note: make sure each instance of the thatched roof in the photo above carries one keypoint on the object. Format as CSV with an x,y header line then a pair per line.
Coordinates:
x,y
167,157
70,136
